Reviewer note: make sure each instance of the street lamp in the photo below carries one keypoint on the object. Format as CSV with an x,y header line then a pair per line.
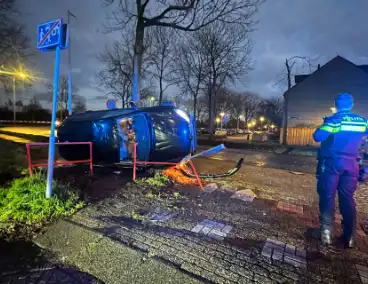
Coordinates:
x,y
152,99
16,74
237,127
222,114
217,121
22,76
272,127
261,119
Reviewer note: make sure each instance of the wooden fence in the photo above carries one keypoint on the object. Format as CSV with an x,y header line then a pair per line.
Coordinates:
x,y
299,136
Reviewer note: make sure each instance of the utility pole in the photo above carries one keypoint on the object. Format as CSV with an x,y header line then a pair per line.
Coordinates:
x,y
70,106
14,110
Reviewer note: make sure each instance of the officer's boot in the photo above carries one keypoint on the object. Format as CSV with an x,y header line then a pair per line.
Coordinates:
x,y
347,239
326,236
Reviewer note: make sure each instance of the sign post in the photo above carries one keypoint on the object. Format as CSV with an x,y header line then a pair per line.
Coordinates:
x,y
52,36
70,104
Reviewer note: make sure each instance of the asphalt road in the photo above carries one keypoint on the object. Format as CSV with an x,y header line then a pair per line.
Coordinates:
x,y
298,163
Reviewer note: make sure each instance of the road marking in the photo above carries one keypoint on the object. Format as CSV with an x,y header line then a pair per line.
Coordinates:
x,y
29,131
14,139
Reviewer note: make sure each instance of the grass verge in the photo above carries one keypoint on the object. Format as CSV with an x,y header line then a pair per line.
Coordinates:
x,y
157,181
23,202
12,160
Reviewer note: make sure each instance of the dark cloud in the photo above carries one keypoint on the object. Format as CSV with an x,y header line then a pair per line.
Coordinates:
x,y
286,28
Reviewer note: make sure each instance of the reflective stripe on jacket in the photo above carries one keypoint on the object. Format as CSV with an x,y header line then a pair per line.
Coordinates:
x,y
341,135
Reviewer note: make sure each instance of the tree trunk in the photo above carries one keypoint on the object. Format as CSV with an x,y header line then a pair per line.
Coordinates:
x,y
138,57
161,92
286,103
212,102
285,119
195,107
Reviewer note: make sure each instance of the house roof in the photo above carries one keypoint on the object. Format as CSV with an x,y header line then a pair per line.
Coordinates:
x,y
303,78
363,67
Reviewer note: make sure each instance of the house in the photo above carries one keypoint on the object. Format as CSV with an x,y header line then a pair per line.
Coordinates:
x,y
312,97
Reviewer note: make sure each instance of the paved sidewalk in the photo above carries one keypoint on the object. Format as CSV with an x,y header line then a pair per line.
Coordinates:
x,y
220,239
50,275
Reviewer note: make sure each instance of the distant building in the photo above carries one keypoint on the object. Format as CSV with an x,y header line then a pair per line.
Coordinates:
x,y
312,96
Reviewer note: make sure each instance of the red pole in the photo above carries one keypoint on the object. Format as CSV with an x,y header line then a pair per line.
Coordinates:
x,y
196,174
135,161
29,159
90,158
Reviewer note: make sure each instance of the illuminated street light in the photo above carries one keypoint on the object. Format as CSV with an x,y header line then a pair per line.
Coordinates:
x,y
333,109
151,99
222,114
272,126
218,121
261,119
14,74
238,122
20,74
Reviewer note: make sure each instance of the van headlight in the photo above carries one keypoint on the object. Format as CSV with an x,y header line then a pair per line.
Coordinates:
x,y
182,114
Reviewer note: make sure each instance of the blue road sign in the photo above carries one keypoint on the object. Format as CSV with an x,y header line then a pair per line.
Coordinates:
x,y
111,104
50,35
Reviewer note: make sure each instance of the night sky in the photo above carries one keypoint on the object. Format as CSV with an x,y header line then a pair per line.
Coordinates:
x,y
286,28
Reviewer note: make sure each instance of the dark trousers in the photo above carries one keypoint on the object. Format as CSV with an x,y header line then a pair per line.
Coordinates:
x,y
339,175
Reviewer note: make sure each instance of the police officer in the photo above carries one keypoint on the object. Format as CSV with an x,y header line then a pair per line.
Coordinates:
x,y
340,136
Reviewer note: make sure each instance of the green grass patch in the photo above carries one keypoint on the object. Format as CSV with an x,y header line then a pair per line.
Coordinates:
x,y
12,159
23,202
158,180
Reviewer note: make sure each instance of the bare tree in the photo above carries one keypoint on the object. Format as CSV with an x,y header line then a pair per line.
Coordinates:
x,y
186,15
224,100
226,50
79,106
202,108
14,42
236,103
272,109
190,69
116,77
161,58
62,98
250,106
292,64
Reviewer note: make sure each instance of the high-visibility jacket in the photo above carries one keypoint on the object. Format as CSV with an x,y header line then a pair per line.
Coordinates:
x,y
341,135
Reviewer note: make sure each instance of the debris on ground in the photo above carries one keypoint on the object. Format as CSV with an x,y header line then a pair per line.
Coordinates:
x,y
211,187
296,173
178,177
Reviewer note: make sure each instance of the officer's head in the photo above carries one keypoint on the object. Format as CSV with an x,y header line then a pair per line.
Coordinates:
x,y
344,101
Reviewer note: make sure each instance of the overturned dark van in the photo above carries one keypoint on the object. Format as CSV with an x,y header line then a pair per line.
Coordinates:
x,y
163,133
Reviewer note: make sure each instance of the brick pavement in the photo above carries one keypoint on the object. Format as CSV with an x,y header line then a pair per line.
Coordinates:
x,y
262,243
